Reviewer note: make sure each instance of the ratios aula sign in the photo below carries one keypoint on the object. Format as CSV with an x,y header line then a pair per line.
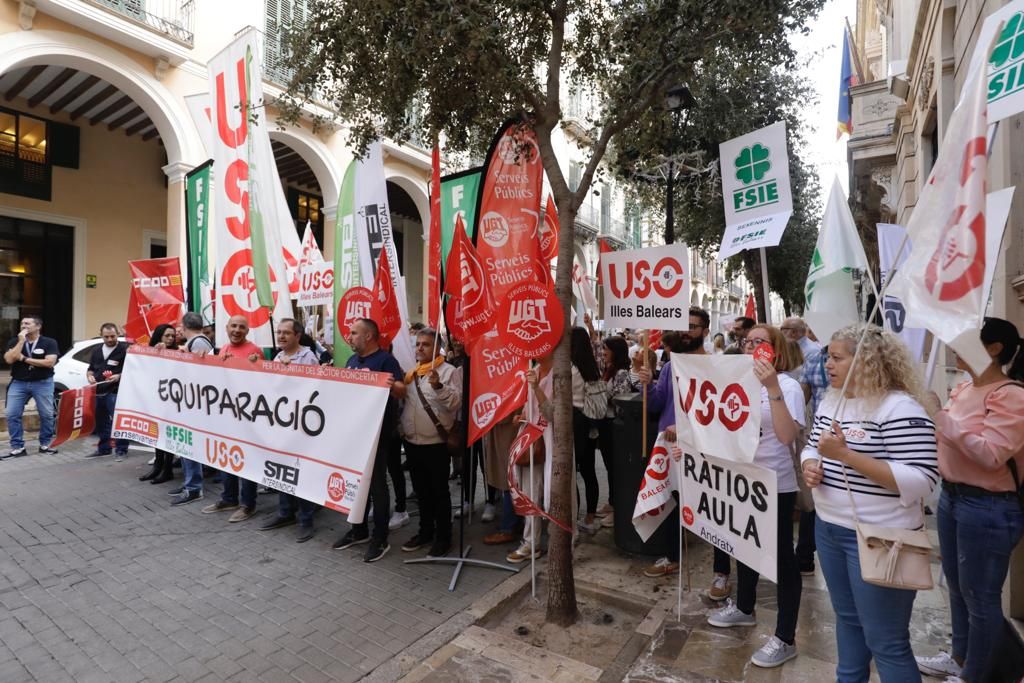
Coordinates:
x,y
756,190
647,288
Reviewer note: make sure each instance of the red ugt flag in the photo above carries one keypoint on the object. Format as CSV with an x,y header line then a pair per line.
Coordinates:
x,y
77,414
434,244
471,306
384,307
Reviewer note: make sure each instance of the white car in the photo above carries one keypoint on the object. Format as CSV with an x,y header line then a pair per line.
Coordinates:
x,y
69,372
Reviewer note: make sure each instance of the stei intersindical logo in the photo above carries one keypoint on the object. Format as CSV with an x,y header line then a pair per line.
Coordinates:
x,y
752,165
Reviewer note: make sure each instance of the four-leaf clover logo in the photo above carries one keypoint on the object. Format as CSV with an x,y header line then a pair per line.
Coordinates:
x,y
752,164
1011,41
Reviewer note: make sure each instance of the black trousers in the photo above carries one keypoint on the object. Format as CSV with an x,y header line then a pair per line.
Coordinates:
x,y
789,586
585,457
396,471
606,442
428,469
379,495
805,540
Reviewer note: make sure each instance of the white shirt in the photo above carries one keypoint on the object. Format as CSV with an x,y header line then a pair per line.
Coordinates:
x,y
771,452
107,350
808,345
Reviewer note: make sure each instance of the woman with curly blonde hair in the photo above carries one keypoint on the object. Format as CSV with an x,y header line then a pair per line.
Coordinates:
x,y
883,438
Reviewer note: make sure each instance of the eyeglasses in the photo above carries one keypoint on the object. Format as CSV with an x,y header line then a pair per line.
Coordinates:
x,y
748,342
787,329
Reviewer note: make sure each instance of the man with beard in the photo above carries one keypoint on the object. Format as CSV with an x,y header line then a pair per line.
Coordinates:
x,y
659,402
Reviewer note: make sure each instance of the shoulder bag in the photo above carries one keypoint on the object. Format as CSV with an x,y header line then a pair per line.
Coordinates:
x,y
595,399
452,438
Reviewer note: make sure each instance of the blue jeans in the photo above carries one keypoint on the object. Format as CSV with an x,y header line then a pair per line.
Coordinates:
x,y
193,471
871,621
104,421
508,513
231,486
287,503
20,391
976,536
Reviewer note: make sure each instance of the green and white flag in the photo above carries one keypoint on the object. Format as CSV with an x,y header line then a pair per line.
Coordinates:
x,y
831,301
346,261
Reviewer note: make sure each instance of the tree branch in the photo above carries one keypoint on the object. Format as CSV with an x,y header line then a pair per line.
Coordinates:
x,y
553,105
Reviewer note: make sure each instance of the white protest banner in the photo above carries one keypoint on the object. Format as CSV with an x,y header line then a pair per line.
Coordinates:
x,y
755,189
890,236
581,286
1004,64
733,507
647,288
654,501
266,422
997,210
317,284
718,405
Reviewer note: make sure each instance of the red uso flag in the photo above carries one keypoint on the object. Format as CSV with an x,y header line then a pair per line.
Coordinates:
x,y
471,306
77,414
718,405
384,307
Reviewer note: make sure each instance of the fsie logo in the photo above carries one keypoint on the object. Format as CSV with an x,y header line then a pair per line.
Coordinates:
x,y
1006,63
752,165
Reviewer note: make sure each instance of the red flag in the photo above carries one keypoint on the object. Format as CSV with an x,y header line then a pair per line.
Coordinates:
x,y
77,414
751,311
547,233
156,296
384,308
654,340
529,435
602,248
434,244
471,306
497,383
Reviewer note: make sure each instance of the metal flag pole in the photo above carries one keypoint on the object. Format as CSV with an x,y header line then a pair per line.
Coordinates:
x,y
764,285
533,522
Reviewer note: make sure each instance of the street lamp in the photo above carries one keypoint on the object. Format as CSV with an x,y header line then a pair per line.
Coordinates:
x,y
677,98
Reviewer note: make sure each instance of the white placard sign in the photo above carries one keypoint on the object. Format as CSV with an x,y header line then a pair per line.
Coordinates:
x,y
647,288
278,425
755,189
316,286
1004,63
733,507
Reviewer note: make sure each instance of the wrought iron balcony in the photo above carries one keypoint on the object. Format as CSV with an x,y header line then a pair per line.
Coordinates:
x,y
172,18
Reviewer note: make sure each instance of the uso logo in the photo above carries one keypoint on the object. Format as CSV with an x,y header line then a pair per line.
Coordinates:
x,y
732,406
639,279
336,487
225,456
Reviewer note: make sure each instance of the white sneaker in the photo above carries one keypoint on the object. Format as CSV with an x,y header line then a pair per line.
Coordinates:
x,y
730,616
941,664
773,653
464,510
398,520
954,679
488,515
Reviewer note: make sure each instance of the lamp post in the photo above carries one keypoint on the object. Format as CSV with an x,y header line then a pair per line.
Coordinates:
x,y
677,98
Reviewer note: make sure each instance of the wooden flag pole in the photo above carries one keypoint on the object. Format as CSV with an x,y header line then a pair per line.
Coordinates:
x,y
643,430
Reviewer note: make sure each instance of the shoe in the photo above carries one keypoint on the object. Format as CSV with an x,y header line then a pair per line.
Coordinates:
x,y
488,514
606,511
277,523
398,520
150,475
187,497
176,492
49,451
807,569
304,533
499,538
464,510
608,522
439,548
376,551
17,452
662,567
94,454
522,553
730,616
151,461
120,457
416,542
163,477
941,664
241,514
954,679
350,539
593,527
219,506
773,653
720,588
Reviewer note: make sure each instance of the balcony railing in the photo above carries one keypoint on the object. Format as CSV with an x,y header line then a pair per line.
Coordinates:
x,y
615,228
589,217
172,18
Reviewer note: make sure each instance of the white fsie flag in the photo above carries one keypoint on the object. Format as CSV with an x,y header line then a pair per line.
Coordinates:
x,y
717,404
654,501
831,300
941,283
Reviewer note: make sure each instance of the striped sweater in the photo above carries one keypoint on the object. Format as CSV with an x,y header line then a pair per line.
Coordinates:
x,y
898,431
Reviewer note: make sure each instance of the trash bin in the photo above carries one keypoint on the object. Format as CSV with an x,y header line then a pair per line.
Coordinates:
x,y
628,465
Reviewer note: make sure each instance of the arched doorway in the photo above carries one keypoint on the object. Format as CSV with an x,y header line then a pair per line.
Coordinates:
x,y
408,234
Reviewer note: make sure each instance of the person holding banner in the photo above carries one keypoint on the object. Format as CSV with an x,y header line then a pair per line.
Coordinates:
x,y
782,418
884,442
195,342
427,420
31,357
616,365
166,337
105,366
981,458
238,345
289,332
365,340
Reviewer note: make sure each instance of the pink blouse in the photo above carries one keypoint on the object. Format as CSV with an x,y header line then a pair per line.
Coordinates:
x,y
979,430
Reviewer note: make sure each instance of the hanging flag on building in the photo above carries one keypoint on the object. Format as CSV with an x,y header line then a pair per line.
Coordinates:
x,y
847,79
253,278
434,243
384,309
831,301
197,226
942,281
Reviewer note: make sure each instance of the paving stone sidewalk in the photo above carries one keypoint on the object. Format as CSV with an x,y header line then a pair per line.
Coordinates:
x,y
100,580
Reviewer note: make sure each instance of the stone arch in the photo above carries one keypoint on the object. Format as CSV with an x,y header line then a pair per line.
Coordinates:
x,y
415,187
60,48
319,159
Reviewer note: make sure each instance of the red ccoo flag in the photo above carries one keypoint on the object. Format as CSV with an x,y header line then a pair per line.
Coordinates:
x,y
434,244
77,414
471,306
384,307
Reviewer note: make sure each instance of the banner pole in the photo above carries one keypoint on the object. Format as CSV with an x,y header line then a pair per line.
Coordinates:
x,y
643,429
533,522
764,285
933,359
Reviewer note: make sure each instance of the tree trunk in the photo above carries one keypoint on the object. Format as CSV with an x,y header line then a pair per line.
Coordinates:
x,y
752,261
561,608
